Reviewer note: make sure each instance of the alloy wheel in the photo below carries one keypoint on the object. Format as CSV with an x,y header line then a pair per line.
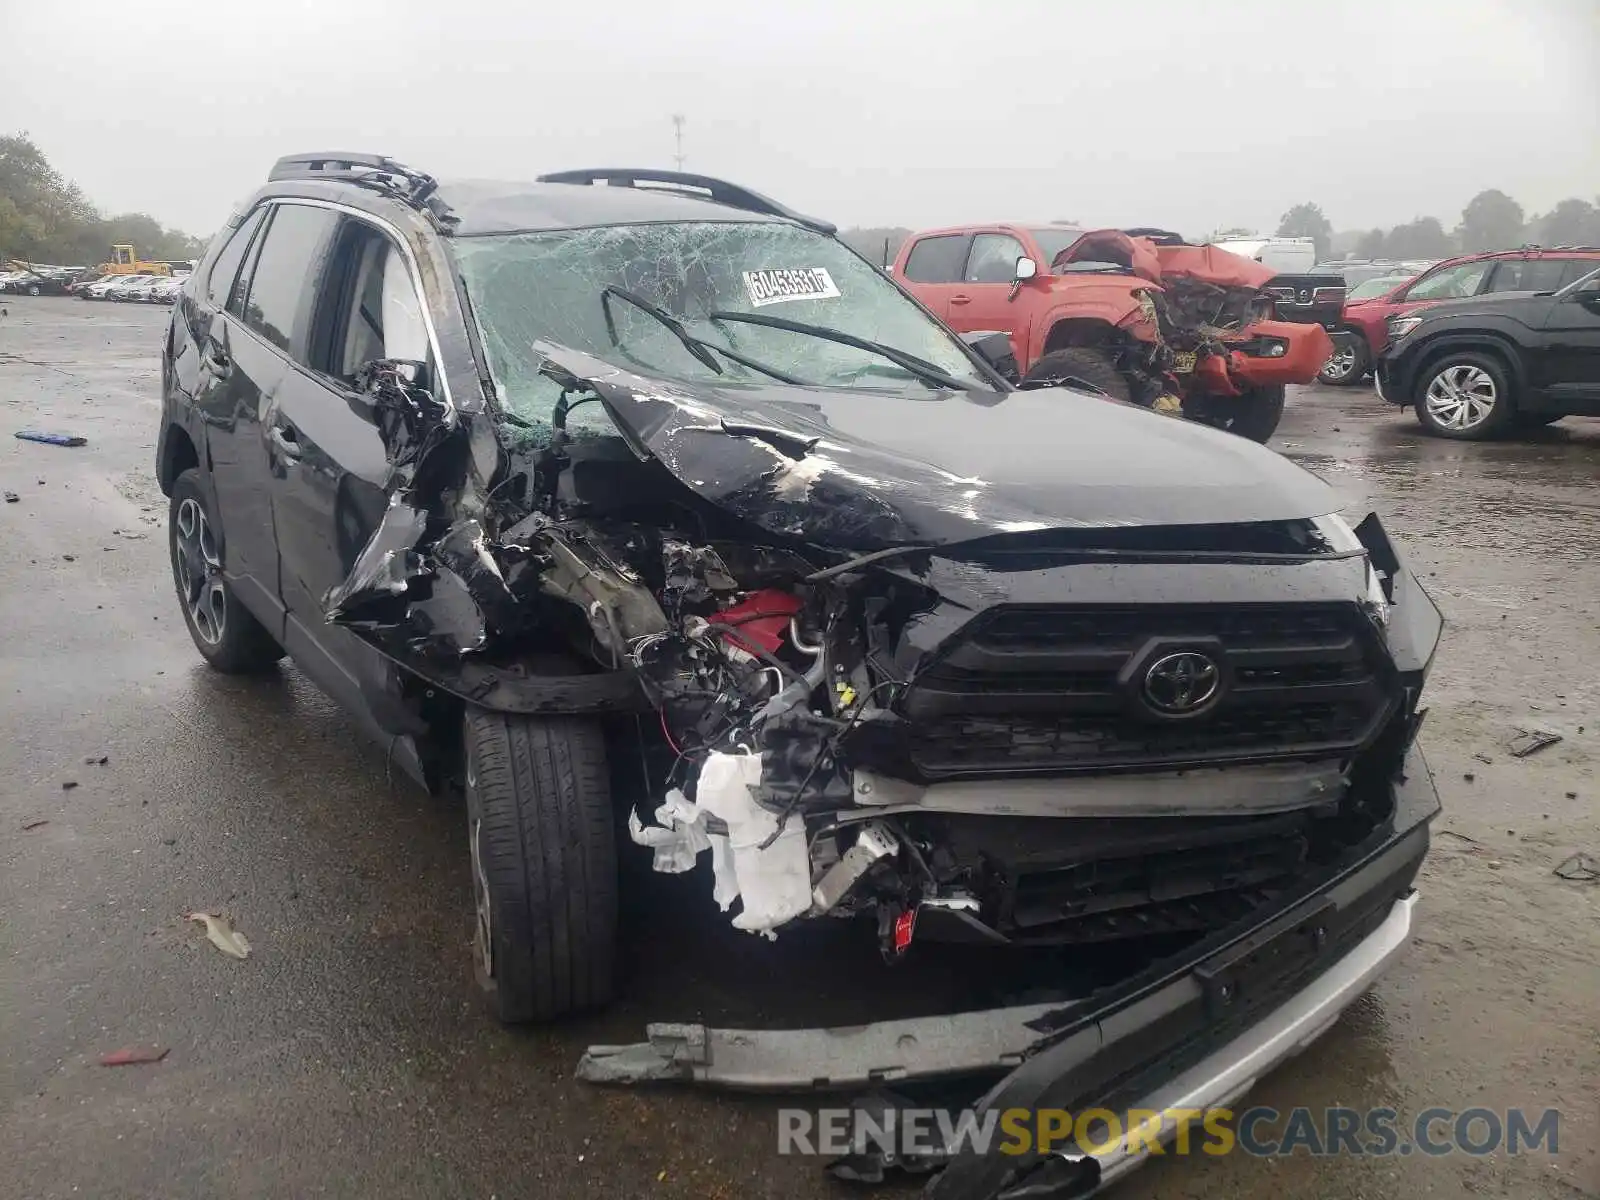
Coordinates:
x,y
1461,397
1339,365
205,596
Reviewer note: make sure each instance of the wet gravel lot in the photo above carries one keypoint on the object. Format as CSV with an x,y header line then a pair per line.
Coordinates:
x,y
349,1056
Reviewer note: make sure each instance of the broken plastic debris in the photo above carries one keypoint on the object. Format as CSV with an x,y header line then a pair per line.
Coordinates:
x,y
30,826
51,439
222,935
133,1055
12,497
1580,868
771,876
677,837
1530,741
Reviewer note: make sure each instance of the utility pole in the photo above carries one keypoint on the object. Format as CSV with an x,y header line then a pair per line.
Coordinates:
x,y
677,137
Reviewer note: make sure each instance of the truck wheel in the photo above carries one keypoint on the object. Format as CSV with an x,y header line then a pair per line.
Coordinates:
x,y
1348,364
1253,413
1465,396
544,863
1081,365
225,632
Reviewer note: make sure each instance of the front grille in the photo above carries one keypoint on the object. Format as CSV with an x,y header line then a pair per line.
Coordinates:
x,y
1053,689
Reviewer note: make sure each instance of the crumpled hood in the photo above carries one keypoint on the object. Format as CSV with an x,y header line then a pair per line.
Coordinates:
x,y
864,470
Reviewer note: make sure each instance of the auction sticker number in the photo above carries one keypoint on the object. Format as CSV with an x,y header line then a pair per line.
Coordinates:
x,y
789,283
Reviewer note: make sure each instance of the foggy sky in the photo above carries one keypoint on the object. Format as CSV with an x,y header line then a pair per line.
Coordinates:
x,y
1188,114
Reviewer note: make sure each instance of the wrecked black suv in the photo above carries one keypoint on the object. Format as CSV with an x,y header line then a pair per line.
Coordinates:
x,y
641,467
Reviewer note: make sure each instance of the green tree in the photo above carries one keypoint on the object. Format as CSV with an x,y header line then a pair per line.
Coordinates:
x,y
45,218
1573,222
1492,220
1422,238
876,241
1307,220
1371,244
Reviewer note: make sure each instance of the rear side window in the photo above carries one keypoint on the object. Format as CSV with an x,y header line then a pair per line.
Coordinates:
x,y
938,259
225,270
1575,269
287,273
1530,275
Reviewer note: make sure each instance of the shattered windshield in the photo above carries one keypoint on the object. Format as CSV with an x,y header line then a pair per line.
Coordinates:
x,y
562,287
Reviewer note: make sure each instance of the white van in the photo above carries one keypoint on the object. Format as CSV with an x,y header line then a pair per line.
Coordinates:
x,y
1289,255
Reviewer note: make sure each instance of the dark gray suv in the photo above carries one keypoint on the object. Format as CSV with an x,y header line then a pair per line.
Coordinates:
x,y
631,502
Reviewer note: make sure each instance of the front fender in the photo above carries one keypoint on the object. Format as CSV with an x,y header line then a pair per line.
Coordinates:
x,y
1412,355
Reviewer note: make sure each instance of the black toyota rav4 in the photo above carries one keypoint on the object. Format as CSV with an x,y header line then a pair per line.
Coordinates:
x,y
632,468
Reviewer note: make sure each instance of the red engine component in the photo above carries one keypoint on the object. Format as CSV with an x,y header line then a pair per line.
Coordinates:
x,y
761,618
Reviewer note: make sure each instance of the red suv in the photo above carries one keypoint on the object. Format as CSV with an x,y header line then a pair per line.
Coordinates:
x,y
1139,315
1530,269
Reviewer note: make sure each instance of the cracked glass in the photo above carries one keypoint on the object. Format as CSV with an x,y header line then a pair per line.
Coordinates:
x,y
531,287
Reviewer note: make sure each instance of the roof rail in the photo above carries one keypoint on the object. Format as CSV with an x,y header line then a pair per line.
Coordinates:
x,y
718,191
367,170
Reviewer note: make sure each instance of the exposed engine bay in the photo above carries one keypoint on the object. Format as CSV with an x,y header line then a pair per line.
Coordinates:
x,y
946,737
1206,323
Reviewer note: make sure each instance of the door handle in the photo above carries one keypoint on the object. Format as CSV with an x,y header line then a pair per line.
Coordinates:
x,y
287,443
960,298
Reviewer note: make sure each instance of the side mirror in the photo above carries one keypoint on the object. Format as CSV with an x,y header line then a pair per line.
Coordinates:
x,y
996,350
1025,270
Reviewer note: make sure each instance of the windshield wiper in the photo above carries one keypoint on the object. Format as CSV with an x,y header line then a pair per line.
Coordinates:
x,y
920,367
698,347
690,343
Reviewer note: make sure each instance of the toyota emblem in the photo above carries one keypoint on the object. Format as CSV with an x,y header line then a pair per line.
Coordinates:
x,y
1181,684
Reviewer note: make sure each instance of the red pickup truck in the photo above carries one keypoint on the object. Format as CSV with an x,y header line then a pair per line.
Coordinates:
x,y
1140,315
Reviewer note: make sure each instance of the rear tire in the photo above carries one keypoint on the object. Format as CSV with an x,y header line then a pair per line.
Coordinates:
x,y
225,632
544,863
1083,365
1252,414
1347,367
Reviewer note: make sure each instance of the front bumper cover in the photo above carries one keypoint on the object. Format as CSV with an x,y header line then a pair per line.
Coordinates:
x,y
1192,1031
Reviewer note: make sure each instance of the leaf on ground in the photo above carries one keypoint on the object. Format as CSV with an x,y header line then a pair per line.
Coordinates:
x,y
132,1055
222,935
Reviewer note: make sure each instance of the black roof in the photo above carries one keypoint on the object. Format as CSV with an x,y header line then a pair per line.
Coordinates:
x,y
563,200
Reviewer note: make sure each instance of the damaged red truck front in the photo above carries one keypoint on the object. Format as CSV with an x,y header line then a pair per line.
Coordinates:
x,y
562,478
1139,315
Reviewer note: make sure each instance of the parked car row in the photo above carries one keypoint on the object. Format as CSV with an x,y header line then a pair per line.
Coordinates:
x,y
38,281
73,281
145,289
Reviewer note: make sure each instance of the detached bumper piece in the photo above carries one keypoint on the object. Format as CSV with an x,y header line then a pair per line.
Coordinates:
x,y
786,1060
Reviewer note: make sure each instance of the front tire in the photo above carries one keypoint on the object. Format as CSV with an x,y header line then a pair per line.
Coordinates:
x,y
1348,364
544,863
1466,396
1253,413
226,633
1083,365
